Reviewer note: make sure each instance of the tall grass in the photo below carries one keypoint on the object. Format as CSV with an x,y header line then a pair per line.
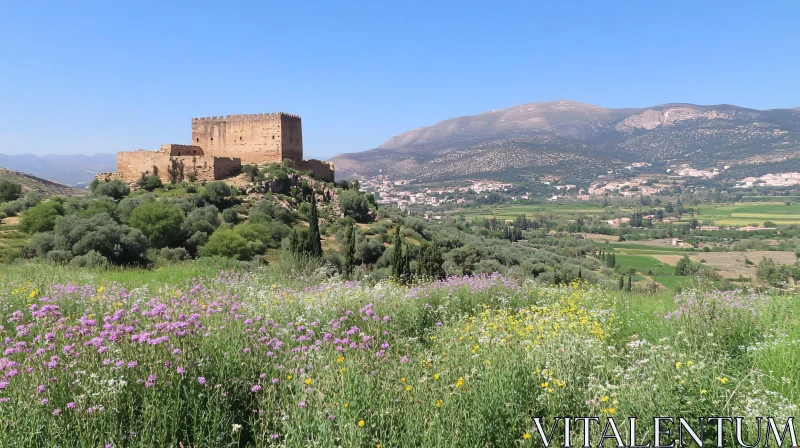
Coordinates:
x,y
201,357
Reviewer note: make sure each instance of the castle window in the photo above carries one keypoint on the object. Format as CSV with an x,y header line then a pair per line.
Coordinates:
x,y
198,139
273,137
240,138
212,139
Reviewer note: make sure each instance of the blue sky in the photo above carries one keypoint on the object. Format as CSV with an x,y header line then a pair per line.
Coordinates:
x,y
104,76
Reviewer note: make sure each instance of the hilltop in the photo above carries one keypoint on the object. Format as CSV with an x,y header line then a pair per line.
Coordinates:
x,y
566,137
33,183
75,170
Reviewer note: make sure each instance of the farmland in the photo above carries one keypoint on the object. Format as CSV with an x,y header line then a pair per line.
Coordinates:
x,y
744,213
567,210
736,214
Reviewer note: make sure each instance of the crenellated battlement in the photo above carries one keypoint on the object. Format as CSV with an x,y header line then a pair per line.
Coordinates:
x,y
221,144
247,117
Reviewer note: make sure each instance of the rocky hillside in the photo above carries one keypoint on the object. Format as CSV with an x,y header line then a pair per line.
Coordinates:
x,y
564,136
33,183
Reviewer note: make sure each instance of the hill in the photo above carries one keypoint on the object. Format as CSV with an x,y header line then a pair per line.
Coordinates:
x,y
33,183
569,137
75,170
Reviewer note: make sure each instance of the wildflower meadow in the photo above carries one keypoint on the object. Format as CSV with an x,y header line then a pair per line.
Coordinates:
x,y
252,359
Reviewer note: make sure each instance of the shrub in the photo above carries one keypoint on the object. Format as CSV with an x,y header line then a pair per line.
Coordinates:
x,y
202,219
115,189
149,183
227,243
354,205
12,208
32,198
41,218
160,222
369,250
121,244
41,244
92,259
127,205
195,241
269,234
217,193
9,191
266,211
59,256
174,254
231,216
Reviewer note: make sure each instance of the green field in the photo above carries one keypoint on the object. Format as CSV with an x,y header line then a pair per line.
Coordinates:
x,y
741,214
562,209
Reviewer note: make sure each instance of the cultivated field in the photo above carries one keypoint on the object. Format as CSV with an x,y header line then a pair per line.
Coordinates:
x,y
195,356
744,213
566,210
732,264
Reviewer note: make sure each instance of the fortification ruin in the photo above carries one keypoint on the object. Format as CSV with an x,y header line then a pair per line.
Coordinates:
x,y
219,147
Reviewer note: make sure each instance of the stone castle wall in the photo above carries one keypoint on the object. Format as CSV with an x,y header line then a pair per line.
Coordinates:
x,y
220,145
131,165
320,169
181,150
255,138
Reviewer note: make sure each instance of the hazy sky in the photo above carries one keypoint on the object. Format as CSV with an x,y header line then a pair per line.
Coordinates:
x,y
104,76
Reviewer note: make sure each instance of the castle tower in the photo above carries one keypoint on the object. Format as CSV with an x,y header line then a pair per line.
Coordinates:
x,y
255,138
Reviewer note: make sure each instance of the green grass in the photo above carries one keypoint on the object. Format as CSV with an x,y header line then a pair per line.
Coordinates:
x,y
741,214
463,363
567,210
11,242
643,264
43,274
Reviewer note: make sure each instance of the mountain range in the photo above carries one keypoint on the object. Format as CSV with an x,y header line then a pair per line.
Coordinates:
x,y
75,170
557,137
570,137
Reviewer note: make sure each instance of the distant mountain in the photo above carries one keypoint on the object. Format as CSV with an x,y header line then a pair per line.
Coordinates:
x,y
570,137
75,170
33,183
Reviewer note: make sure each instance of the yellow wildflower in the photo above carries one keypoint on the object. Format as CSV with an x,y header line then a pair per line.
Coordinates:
x,y
340,359
526,436
361,423
308,380
435,376
438,403
460,382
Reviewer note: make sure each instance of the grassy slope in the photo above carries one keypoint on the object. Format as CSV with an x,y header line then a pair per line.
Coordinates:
x,y
33,183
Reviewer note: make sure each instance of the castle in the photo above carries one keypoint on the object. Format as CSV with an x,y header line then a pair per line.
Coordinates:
x,y
219,147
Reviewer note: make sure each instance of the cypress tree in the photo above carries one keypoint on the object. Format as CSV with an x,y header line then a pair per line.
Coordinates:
x,y
295,245
397,261
630,286
621,282
430,261
314,238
